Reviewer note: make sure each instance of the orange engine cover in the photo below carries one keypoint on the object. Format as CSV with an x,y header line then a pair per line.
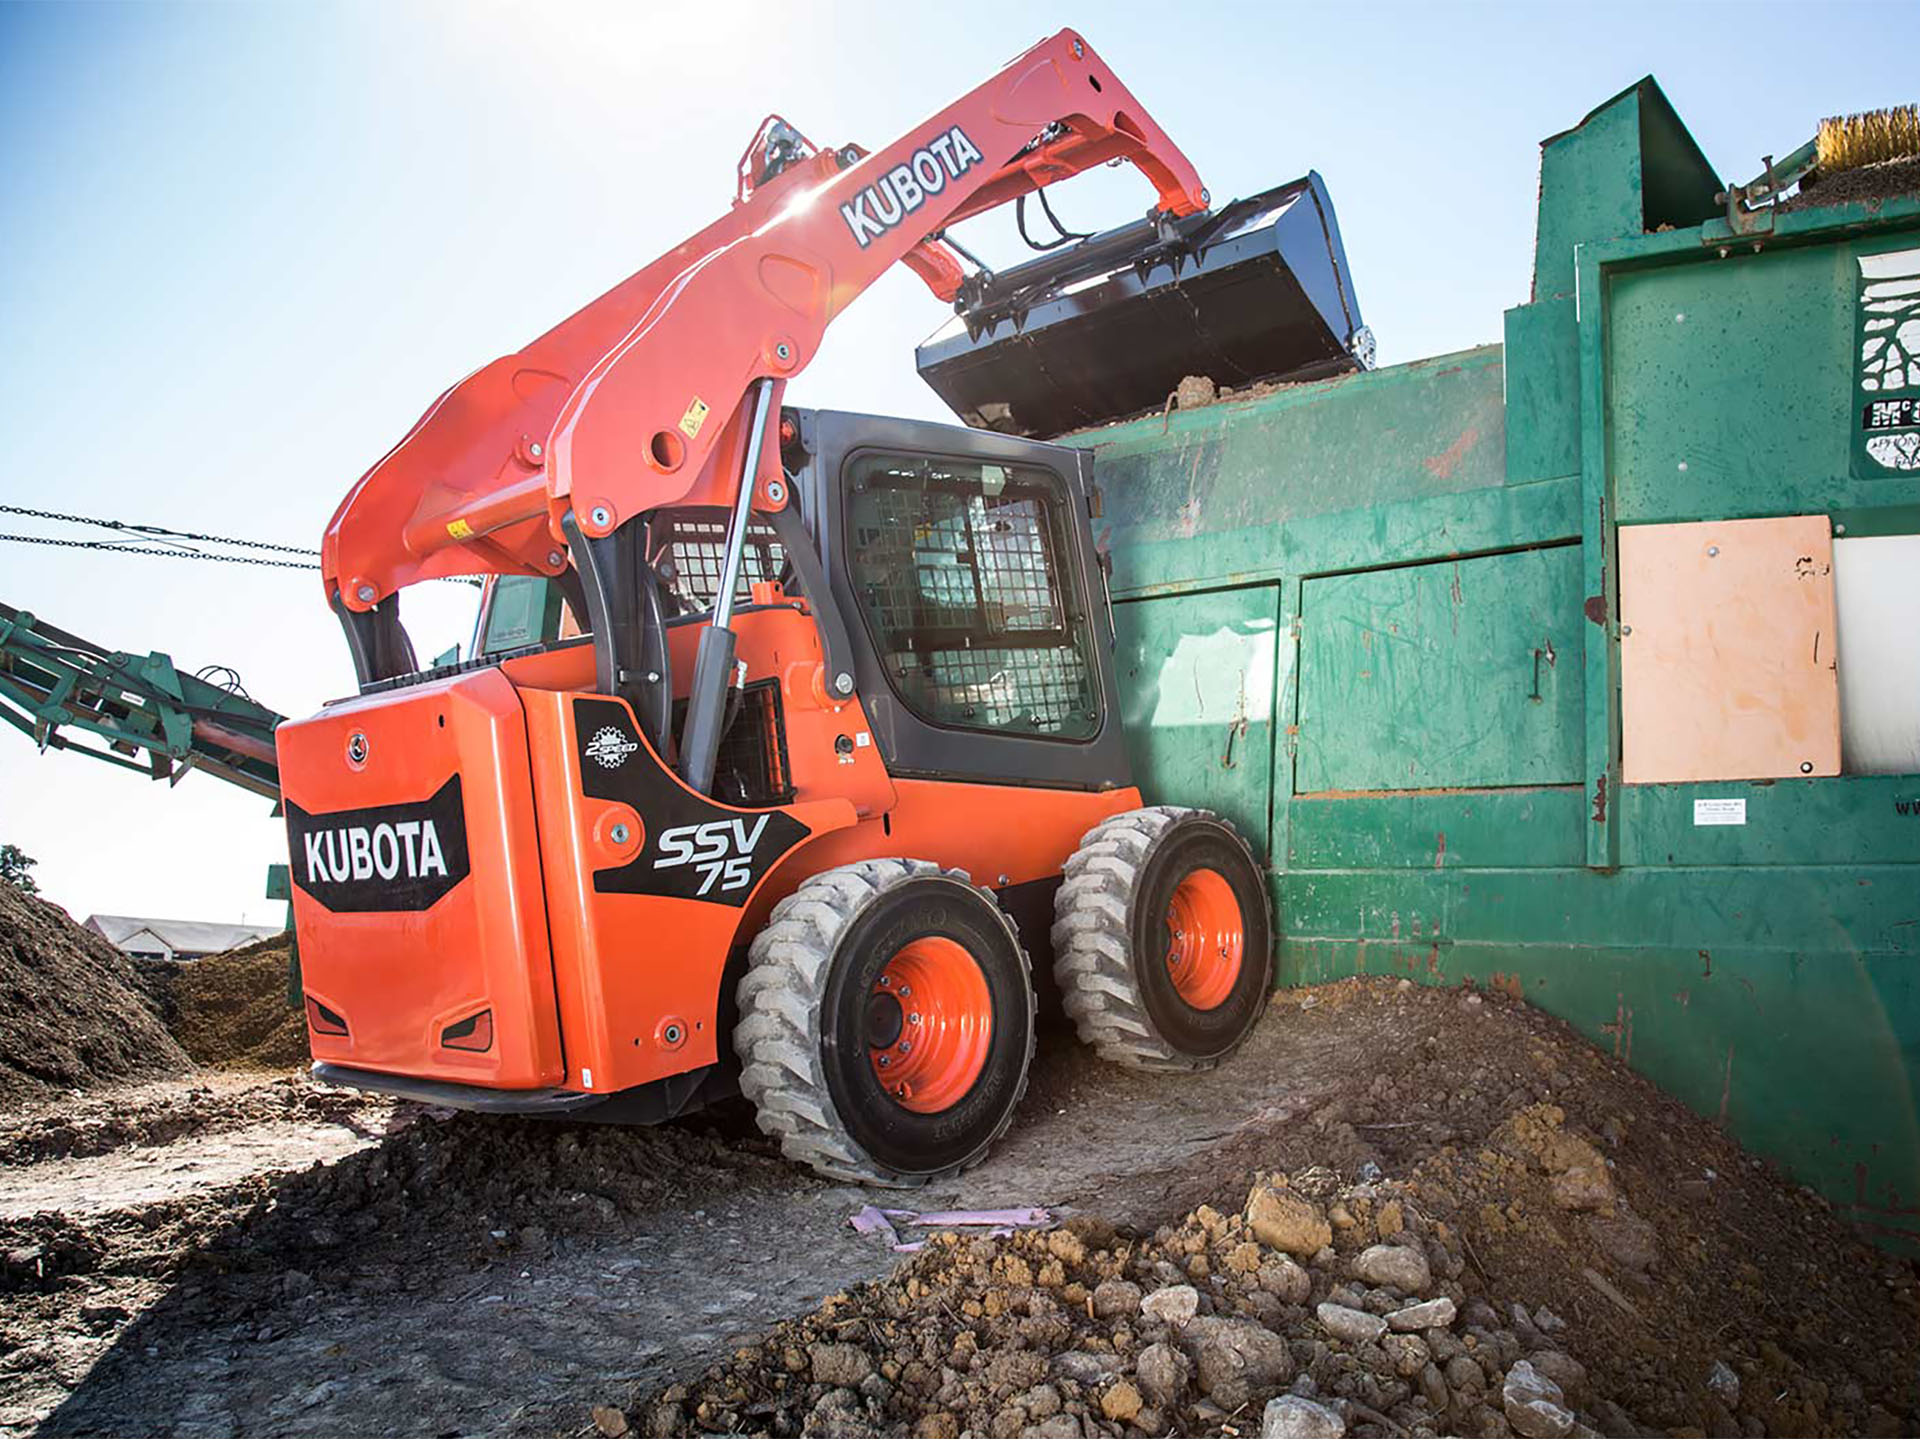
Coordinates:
x,y
418,898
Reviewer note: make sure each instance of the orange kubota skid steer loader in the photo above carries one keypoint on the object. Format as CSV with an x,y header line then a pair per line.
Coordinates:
x,y
785,726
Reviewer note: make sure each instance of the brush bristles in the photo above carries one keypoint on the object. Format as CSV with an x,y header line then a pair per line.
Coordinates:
x,y
1847,142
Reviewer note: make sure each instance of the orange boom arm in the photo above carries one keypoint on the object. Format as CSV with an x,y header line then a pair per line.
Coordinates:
x,y
642,398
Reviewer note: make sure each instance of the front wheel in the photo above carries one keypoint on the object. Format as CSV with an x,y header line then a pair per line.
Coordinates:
x,y
1163,940
887,1023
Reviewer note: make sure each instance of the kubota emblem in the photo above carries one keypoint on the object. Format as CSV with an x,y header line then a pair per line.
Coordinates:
x,y
610,747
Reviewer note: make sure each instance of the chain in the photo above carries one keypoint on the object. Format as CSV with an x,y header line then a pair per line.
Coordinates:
x,y
160,535
168,554
155,531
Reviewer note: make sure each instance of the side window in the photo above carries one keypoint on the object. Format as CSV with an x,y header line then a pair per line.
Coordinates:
x,y
522,610
964,573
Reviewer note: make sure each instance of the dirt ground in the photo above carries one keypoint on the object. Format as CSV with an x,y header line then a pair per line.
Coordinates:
x,y
254,1255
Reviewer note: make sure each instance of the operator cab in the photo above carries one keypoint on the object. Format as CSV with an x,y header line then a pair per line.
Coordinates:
x,y
957,571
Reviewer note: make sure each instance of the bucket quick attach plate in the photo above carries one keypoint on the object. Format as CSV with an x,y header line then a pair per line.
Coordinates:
x,y
1255,290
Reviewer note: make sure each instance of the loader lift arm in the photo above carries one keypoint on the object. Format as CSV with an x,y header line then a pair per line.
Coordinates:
x,y
645,397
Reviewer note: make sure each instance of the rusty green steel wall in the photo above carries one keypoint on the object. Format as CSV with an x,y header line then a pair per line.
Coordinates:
x,y
1371,620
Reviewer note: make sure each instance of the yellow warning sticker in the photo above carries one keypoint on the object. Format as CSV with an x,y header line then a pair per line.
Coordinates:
x,y
695,417
460,530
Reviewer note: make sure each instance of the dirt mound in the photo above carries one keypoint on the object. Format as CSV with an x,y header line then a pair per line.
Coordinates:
x,y
231,1010
1539,1201
74,1011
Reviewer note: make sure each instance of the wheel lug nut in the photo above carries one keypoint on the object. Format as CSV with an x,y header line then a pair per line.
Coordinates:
x,y
886,980
906,991
914,1018
906,1047
886,1060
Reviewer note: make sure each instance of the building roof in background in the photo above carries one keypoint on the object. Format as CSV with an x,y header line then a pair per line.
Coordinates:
x,y
193,937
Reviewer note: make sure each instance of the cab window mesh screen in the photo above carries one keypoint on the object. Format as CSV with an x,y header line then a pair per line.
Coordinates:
x,y
962,571
689,551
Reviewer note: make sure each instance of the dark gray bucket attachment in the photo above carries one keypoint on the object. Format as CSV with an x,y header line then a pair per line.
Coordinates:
x,y
1253,291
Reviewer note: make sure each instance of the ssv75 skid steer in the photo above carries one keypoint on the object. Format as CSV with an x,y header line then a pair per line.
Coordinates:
x,y
793,734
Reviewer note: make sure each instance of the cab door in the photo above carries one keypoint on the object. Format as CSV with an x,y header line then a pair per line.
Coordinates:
x,y
964,564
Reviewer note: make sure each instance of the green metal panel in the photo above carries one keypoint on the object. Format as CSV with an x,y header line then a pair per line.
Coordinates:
x,y
1543,392
1852,819
1731,385
1589,190
1504,829
1229,473
1629,166
1198,676
1442,675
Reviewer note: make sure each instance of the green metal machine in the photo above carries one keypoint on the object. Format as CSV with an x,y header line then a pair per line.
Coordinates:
x,y
1377,621
136,711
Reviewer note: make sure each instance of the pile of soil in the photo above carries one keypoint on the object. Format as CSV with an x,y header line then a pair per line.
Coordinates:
x,y
74,1011
231,1010
1885,181
1537,1201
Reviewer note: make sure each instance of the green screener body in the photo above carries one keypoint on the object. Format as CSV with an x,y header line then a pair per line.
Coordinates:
x,y
1376,621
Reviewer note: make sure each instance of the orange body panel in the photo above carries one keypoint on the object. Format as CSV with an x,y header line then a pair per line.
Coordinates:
x,y
1000,835
638,975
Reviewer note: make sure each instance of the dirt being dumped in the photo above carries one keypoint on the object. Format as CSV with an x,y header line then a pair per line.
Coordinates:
x,y
231,1010
1495,1230
74,1011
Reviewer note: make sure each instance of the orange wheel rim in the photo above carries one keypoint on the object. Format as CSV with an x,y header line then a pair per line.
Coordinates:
x,y
929,1025
1206,939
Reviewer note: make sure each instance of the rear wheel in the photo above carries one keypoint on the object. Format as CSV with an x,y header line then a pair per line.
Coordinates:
x,y
1162,939
886,1023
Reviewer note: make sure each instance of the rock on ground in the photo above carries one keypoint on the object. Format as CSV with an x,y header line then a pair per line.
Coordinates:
x,y
1175,1305
1355,1327
1399,1266
1287,1221
1297,1417
1534,1404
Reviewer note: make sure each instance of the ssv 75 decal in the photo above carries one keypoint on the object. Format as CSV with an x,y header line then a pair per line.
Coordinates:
x,y
695,849
905,188
722,850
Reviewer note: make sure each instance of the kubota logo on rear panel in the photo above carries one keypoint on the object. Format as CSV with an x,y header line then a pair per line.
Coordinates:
x,y
383,857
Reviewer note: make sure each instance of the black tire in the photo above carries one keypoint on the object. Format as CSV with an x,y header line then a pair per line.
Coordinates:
x,y
1111,939
806,1006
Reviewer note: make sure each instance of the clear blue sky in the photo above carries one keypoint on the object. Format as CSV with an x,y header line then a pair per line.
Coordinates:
x,y
245,246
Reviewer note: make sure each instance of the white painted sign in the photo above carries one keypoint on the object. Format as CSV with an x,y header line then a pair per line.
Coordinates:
x,y
1720,812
